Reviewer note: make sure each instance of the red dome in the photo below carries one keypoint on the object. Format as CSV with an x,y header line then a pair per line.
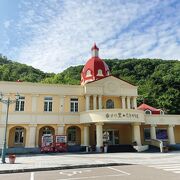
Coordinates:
x,y
94,69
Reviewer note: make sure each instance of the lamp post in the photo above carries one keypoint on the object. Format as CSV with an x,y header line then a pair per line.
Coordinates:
x,y
6,101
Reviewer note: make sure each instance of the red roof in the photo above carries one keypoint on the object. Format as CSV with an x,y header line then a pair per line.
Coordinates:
x,y
94,69
145,107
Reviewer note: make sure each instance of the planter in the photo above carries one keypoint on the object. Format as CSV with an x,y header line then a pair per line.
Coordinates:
x,y
12,158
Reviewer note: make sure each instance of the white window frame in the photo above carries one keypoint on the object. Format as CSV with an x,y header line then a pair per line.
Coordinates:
x,y
48,101
100,73
74,105
147,110
88,73
20,104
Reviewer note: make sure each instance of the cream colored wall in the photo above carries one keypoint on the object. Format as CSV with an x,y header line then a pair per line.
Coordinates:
x,y
117,101
177,134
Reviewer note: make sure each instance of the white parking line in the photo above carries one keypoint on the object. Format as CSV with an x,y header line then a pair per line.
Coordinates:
x,y
32,176
119,171
92,177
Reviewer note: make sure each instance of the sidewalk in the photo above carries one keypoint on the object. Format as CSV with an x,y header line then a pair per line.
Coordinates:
x,y
40,162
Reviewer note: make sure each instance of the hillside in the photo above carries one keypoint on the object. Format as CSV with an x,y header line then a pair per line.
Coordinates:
x,y
13,71
158,80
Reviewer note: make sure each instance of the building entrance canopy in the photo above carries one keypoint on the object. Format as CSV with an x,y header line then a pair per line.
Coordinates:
x,y
112,116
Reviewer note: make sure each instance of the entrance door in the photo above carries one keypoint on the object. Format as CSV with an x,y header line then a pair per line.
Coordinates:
x,y
112,136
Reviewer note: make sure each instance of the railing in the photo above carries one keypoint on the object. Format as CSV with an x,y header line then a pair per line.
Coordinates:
x,y
157,143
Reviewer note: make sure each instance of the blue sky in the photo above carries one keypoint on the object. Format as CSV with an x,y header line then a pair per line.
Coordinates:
x,y
54,34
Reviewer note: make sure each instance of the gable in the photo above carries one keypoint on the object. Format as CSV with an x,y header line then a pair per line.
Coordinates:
x,y
111,86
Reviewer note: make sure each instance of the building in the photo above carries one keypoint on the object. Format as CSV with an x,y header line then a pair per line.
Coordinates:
x,y
102,109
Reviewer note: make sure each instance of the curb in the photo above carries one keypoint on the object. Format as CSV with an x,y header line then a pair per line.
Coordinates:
x,y
61,168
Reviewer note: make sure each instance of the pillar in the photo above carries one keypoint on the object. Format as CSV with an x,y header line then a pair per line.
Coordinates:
x,y
128,103
99,136
100,101
2,130
153,131
87,102
86,135
32,136
94,102
136,134
60,129
123,102
135,102
62,103
34,102
171,134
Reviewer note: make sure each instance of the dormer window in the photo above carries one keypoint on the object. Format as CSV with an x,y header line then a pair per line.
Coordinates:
x,y
88,73
161,112
148,112
107,73
99,72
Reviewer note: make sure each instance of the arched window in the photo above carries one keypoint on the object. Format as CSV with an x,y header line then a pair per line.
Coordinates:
x,y
88,73
109,104
99,72
148,112
47,130
19,135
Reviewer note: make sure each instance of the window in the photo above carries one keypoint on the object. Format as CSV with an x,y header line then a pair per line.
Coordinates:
x,y
74,105
147,135
148,112
72,134
48,104
88,73
20,104
19,135
100,72
161,112
47,130
161,134
109,104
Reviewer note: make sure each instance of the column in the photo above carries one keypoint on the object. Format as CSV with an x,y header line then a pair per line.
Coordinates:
x,y
86,135
123,102
99,136
171,134
135,102
94,102
100,101
32,136
34,102
153,131
62,103
60,129
2,129
136,134
87,102
128,103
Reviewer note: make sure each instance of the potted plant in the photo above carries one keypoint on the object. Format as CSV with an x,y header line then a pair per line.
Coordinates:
x,y
12,158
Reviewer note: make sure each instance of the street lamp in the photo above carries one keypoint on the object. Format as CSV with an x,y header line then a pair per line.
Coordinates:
x,y
6,101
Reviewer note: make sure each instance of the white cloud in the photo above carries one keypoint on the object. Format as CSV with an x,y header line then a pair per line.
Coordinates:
x,y
60,33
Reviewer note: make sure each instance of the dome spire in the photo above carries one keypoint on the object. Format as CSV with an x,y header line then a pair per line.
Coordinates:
x,y
95,51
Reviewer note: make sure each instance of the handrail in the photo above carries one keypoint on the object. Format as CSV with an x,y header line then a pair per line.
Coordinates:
x,y
158,143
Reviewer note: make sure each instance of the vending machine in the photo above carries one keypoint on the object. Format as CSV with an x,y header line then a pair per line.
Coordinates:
x,y
60,143
47,143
